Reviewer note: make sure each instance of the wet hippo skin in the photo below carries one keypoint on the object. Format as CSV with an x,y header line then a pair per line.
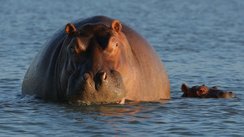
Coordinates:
x,y
205,92
97,60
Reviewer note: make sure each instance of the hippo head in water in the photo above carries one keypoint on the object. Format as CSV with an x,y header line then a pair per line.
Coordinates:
x,y
97,60
205,92
92,62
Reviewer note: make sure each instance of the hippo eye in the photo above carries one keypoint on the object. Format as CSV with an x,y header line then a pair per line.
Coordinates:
x,y
114,42
115,45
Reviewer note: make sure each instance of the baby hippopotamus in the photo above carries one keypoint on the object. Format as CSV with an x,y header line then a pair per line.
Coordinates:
x,y
205,92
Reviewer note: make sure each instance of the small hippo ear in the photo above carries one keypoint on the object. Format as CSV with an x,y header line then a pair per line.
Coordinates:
x,y
184,88
116,26
70,29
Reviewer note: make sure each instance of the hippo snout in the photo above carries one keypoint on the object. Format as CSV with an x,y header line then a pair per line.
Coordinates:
x,y
227,94
101,87
99,80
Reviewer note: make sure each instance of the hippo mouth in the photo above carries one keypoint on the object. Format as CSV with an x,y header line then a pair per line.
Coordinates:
x,y
101,88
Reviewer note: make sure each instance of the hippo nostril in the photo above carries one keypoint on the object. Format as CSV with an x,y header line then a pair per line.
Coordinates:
x,y
103,75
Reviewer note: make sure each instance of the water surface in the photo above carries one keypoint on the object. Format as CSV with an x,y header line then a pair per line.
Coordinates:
x,y
198,41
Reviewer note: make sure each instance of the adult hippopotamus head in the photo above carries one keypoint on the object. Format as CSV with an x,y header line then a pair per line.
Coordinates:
x,y
93,59
205,92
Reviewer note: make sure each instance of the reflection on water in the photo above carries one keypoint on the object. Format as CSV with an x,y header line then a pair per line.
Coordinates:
x,y
200,42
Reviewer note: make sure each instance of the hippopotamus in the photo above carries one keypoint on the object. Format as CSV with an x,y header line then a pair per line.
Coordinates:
x,y
97,60
205,92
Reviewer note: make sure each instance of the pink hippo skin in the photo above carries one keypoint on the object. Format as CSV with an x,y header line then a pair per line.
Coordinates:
x,y
205,92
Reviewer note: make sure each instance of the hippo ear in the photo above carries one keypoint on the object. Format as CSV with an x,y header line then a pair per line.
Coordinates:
x,y
184,88
116,26
70,29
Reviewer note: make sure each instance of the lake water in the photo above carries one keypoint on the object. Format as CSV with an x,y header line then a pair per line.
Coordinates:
x,y
198,41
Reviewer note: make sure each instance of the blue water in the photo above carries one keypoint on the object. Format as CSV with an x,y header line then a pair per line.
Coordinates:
x,y
198,41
